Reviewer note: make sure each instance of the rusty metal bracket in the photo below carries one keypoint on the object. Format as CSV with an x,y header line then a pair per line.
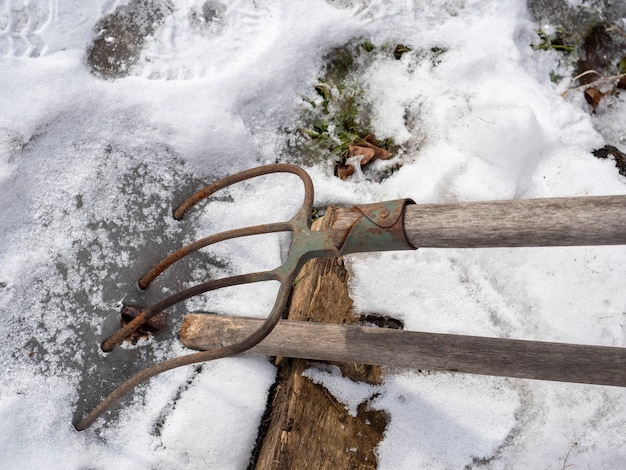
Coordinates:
x,y
379,228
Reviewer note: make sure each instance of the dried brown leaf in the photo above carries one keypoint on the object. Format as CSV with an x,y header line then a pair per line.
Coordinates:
x,y
383,154
345,171
379,152
367,153
593,96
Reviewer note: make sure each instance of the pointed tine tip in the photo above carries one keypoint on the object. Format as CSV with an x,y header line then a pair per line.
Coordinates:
x,y
178,213
79,426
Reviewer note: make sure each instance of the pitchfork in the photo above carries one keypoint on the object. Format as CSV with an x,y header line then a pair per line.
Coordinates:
x,y
385,226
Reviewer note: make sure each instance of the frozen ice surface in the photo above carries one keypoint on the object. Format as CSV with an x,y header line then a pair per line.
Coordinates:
x,y
90,169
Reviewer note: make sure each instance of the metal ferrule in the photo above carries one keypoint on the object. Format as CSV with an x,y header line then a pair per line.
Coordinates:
x,y
380,227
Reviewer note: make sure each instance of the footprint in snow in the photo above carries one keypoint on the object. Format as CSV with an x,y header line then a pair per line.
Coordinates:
x,y
21,24
160,39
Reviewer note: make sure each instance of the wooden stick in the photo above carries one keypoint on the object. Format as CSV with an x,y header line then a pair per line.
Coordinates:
x,y
599,220
600,81
415,350
593,220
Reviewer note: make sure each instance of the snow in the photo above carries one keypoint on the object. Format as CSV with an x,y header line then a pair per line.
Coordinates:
x,y
351,394
90,169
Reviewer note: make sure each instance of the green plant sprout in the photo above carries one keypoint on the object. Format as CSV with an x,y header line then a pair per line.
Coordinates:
x,y
337,114
556,42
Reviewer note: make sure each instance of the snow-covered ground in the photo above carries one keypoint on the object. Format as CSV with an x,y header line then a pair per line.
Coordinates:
x,y
91,167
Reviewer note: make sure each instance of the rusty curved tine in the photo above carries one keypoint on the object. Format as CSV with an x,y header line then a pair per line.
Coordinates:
x,y
303,217
255,338
285,274
181,210
155,272
179,213
145,315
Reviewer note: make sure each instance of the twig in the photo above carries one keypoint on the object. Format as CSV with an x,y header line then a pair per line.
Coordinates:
x,y
586,72
565,465
615,28
593,84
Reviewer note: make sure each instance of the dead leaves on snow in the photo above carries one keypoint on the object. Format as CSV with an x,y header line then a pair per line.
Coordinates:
x,y
601,69
593,97
368,149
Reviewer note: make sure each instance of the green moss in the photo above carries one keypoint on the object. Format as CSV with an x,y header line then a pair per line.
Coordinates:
x,y
368,46
400,50
558,42
555,77
555,42
337,110
435,55
337,114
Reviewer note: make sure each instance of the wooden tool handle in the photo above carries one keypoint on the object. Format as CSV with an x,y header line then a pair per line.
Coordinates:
x,y
599,220
593,220
415,350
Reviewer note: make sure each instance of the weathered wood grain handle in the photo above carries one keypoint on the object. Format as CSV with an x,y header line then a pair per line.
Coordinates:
x,y
415,350
593,220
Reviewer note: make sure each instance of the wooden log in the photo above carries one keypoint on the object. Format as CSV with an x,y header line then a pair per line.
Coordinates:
x,y
306,428
416,350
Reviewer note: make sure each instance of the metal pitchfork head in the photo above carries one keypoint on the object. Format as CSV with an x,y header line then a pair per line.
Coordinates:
x,y
373,227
